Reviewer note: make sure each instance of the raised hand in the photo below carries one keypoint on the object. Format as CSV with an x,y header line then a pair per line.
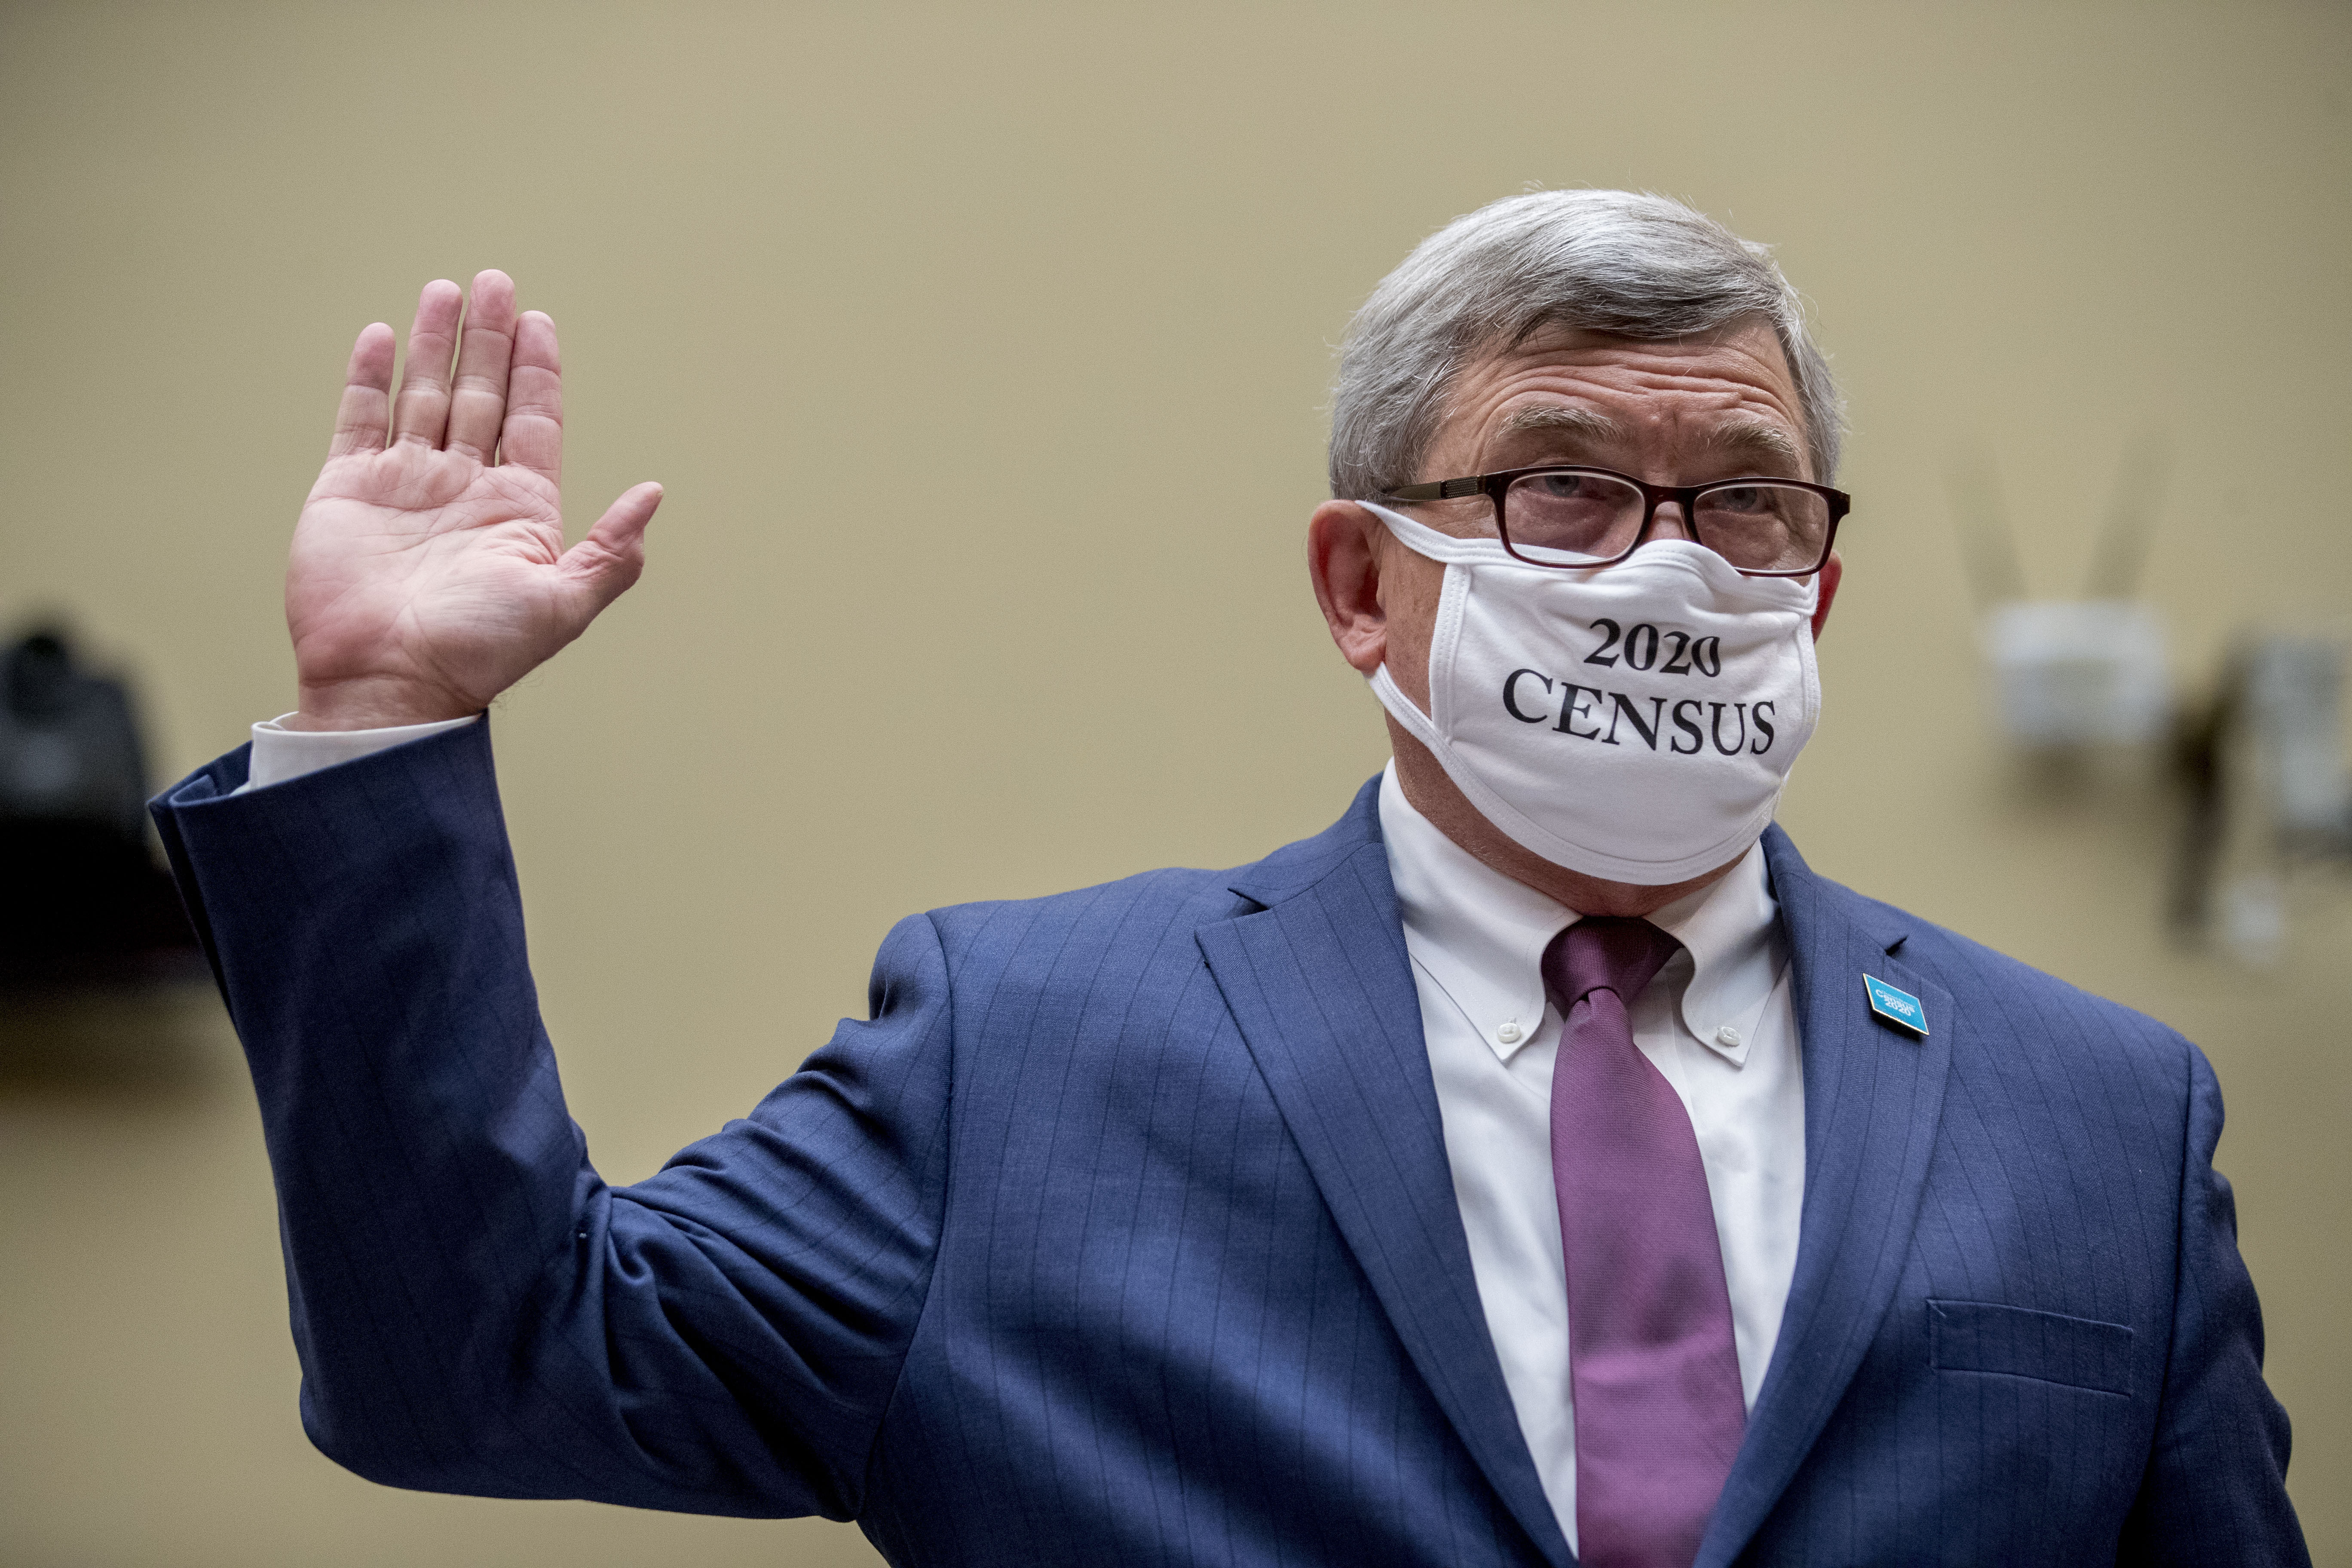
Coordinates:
x,y
428,571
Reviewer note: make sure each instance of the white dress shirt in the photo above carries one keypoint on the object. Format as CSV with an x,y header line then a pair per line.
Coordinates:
x,y
279,754
1716,1022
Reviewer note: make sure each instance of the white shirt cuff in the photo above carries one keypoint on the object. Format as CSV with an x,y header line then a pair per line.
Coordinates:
x,y
279,754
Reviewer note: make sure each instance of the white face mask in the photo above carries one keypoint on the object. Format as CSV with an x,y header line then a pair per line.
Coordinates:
x,y
1635,723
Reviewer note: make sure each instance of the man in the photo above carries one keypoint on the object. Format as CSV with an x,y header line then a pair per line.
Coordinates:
x,y
1539,1159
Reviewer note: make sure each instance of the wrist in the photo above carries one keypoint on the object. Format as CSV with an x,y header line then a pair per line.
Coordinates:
x,y
374,705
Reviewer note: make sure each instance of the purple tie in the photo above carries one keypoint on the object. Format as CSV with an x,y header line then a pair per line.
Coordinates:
x,y
1651,1359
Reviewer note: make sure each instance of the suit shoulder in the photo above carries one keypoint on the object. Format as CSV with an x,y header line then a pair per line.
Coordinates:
x,y
1134,913
1159,910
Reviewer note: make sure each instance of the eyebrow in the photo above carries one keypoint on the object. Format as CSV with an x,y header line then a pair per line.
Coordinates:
x,y
1754,438
1751,437
1560,418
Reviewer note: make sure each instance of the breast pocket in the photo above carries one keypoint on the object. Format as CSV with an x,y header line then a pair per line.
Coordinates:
x,y
2012,1342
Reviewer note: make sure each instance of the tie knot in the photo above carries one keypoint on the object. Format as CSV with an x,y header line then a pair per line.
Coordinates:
x,y
1604,952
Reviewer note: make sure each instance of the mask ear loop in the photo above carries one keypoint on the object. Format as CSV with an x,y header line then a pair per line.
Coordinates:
x,y
1446,628
1423,540
1444,642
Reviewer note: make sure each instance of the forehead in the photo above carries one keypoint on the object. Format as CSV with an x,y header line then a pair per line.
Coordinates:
x,y
1653,390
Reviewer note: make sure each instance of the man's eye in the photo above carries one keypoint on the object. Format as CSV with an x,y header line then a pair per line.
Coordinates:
x,y
1569,487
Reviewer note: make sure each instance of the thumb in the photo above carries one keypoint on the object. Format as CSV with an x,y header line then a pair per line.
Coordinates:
x,y
603,565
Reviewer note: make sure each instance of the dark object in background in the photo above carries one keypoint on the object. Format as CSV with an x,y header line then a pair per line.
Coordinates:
x,y
82,897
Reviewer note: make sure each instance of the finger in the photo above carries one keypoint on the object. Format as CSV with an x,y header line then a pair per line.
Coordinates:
x,y
477,398
420,412
533,435
603,565
367,394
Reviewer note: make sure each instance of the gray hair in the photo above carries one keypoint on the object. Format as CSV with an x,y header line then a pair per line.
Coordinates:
x,y
1630,265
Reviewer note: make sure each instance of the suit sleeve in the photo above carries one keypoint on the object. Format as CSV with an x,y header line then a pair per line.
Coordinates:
x,y
2215,1489
475,1309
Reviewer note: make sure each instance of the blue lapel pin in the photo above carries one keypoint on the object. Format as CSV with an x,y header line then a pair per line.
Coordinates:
x,y
1897,1007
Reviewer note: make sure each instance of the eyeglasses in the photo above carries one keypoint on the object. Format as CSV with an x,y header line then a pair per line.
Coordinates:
x,y
1579,519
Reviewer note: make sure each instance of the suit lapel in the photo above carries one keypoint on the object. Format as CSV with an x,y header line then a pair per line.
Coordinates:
x,y
1321,988
1873,1095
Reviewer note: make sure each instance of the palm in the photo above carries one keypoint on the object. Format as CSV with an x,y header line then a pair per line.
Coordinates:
x,y
427,567
428,573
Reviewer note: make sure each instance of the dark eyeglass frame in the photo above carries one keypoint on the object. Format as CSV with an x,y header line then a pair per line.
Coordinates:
x,y
1493,487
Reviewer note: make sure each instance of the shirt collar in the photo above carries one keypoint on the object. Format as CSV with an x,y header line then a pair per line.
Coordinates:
x,y
1480,936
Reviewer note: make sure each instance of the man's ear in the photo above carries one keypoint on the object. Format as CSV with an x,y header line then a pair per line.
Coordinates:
x,y
1343,559
1832,571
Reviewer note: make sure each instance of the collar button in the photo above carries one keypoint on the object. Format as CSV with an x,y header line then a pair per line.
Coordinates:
x,y
1728,1037
1510,1033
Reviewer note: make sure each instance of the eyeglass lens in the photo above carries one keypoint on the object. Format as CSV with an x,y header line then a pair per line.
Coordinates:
x,y
1758,526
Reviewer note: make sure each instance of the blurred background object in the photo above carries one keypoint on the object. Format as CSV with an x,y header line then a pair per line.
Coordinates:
x,y
2079,672
984,353
87,900
2293,701
2073,672
69,752
100,974
2083,690
2267,812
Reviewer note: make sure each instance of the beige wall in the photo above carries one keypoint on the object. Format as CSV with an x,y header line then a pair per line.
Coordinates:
x,y
982,353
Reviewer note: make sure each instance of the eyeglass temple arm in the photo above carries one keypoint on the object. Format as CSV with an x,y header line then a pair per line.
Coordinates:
x,y
1438,490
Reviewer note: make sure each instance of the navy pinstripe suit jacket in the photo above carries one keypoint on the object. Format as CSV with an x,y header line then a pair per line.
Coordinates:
x,y
1122,1231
